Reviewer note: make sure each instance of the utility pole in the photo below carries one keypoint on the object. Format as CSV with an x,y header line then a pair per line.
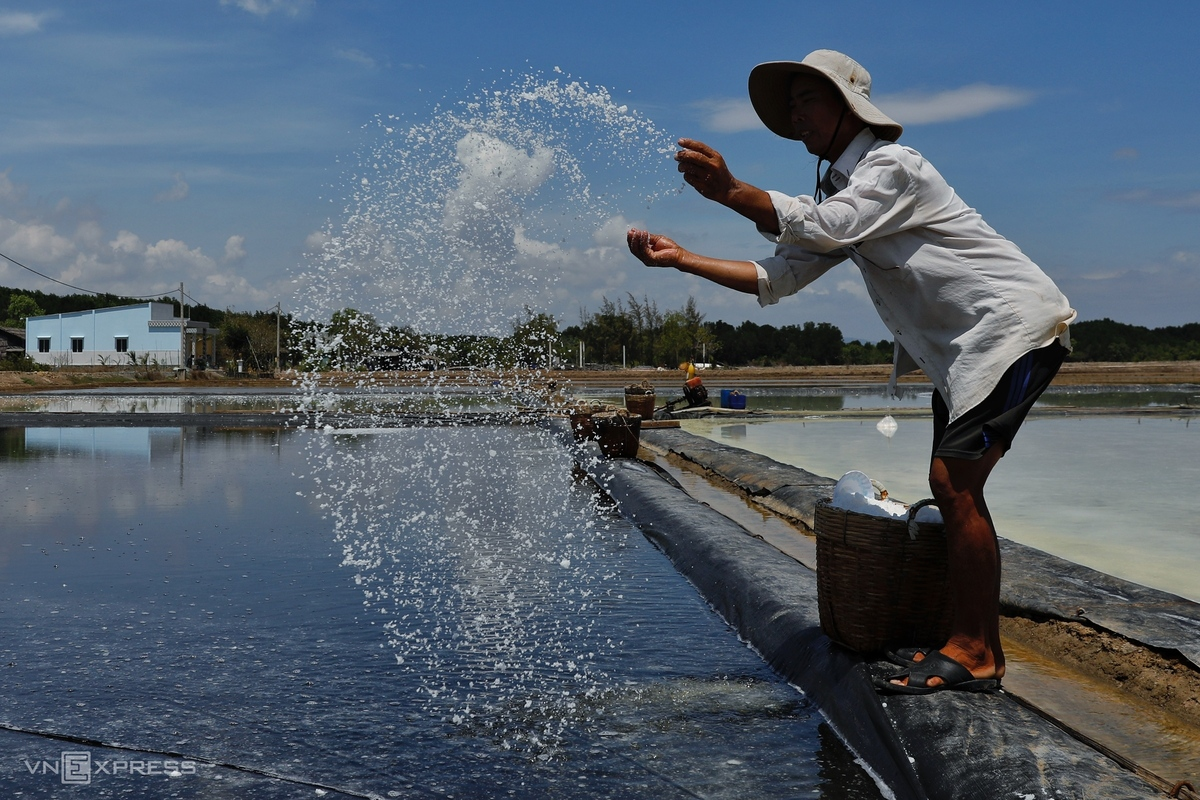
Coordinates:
x,y
182,337
278,310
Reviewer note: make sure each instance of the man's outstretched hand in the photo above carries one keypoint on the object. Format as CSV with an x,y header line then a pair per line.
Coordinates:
x,y
654,250
704,170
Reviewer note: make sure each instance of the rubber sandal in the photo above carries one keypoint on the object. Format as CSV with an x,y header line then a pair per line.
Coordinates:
x,y
955,677
906,656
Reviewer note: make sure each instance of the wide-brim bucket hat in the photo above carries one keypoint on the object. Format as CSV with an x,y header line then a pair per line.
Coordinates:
x,y
770,91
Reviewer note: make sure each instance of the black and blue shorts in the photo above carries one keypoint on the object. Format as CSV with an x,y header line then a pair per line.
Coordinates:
x,y
997,418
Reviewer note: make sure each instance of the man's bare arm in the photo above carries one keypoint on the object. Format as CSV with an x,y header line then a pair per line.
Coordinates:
x,y
704,169
659,251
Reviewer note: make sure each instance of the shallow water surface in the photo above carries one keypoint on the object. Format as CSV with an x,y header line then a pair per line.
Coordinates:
x,y
367,399
420,613
1115,493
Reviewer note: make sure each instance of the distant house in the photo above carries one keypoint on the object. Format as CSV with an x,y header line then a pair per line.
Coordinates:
x,y
12,342
149,332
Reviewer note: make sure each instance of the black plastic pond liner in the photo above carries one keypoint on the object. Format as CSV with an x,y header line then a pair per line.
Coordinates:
x,y
946,745
1034,583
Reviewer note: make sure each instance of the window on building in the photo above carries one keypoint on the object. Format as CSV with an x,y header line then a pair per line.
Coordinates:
x,y
43,344
121,345
76,344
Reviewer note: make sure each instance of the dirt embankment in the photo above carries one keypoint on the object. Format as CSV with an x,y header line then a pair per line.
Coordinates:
x,y
1164,680
1072,374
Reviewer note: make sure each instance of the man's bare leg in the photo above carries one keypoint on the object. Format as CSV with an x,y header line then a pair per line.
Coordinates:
x,y
974,563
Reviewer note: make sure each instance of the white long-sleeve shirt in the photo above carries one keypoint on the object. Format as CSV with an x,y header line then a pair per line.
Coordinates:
x,y
962,302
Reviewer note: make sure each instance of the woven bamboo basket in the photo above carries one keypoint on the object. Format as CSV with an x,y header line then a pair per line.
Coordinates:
x,y
619,434
582,426
878,585
640,404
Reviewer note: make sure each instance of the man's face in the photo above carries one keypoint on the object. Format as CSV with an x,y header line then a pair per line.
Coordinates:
x,y
816,108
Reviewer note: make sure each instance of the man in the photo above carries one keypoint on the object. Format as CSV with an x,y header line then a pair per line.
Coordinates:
x,y
964,304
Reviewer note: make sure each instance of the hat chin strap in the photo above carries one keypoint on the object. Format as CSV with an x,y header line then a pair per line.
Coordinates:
x,y
819,195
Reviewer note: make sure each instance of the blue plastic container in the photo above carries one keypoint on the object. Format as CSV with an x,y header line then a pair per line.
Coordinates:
x,y
732,398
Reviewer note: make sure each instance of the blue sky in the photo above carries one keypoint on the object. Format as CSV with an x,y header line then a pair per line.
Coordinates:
x,y
216,142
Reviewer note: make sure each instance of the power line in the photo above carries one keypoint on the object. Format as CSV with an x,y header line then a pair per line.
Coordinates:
x,y
80,288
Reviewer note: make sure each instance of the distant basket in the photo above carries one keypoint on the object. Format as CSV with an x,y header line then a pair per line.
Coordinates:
x,y
877,586
640,404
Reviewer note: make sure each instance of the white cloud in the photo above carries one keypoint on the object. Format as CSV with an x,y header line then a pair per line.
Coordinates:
x,y
89,235
127,243
492,167
1154,293
479,211
1186,201
33,242
179,190
235,248
21,23
262,8
316,241
855,288
545,252
176,255
950,105
612,232
125,264
9,191
356,56
729,115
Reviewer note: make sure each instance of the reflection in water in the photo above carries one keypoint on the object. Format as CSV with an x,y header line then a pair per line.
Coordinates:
x,y
399,400
146,443
548,649
733,432
1122,396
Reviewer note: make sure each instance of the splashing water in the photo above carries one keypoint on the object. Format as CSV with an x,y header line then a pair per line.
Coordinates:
x,y
505,200
485,565
481,558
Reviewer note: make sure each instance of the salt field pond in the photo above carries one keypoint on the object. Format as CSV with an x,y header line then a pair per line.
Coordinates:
x,y
1113,491
406,613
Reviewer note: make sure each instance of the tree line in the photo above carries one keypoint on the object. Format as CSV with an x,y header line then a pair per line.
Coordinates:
x,y
626,331
1106,340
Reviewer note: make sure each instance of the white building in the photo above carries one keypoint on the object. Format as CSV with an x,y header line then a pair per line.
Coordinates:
x,y
146,333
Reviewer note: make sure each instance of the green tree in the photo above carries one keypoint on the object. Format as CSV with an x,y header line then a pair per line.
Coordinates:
x,y
251,337
606,332
21,306
532,339
685,337
647,322
351,337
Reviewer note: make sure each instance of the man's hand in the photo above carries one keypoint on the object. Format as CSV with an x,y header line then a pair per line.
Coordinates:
x,y
654,250
705,171
659,251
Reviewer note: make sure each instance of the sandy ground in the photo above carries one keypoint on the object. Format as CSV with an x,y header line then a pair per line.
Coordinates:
x,y
1082,374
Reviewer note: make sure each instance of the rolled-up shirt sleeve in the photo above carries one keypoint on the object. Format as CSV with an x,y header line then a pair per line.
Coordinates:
x,y
880,200
790,270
